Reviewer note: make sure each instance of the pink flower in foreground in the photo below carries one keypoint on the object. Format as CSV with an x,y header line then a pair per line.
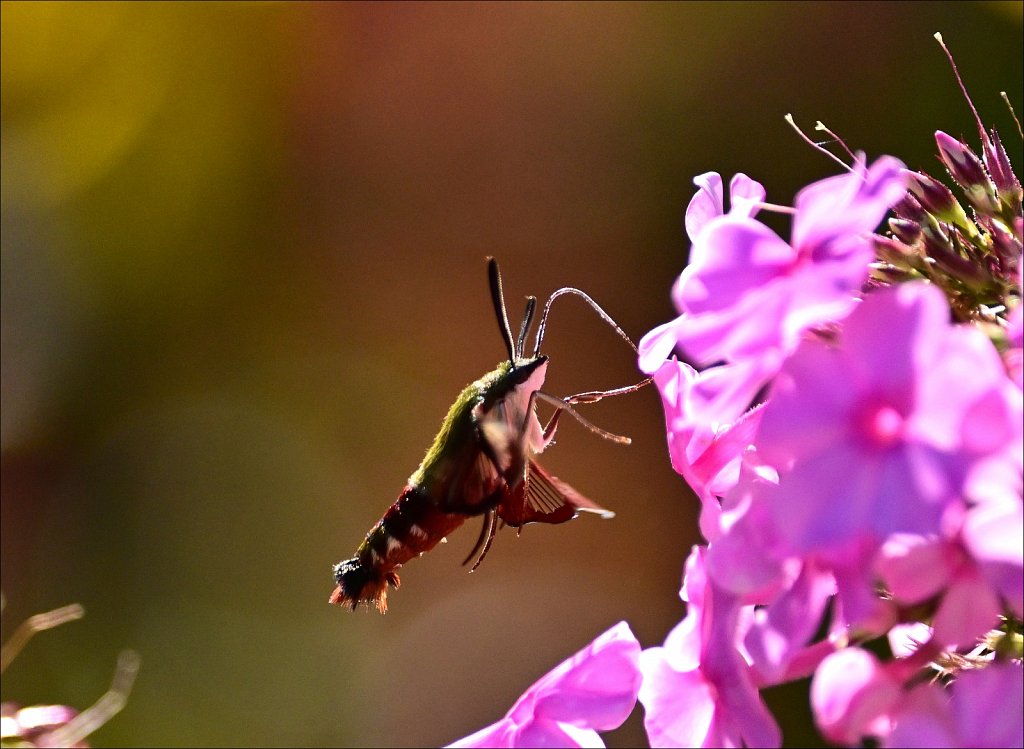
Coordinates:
x,y
594,690
698,689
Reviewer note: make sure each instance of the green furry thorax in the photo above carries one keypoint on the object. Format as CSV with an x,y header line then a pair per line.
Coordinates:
x,y
458,431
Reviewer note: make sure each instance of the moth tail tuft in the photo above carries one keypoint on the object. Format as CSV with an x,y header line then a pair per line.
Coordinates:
x,y
358,583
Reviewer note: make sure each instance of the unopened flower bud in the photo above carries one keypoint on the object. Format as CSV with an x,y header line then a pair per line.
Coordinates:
x,y
907,232
998,163
1005,245
940,248
938,200
897,254
908,208
963,164
967,169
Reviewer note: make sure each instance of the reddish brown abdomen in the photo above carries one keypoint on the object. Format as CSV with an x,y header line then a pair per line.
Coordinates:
x,y
411,526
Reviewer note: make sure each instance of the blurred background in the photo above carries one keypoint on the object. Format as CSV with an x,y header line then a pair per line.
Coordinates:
x,y
243,279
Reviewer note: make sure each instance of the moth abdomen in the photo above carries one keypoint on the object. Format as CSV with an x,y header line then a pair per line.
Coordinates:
x,y
412,526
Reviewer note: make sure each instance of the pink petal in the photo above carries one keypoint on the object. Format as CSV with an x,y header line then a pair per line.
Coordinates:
x,y
923,720
987,706
707,203
969,609
915,568
745,195
733,256
905,639
851,694
994,536
548,733
596,688
678,706
782,629
500,734
847,205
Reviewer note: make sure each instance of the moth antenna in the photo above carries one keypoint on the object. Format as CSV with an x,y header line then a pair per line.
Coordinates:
x,y
561,405
524,329
494,275
594,305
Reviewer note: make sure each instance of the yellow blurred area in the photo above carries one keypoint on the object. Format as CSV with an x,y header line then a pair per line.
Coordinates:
x,y
243,278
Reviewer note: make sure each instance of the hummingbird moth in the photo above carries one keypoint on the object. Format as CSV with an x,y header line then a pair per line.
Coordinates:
x,y
482,463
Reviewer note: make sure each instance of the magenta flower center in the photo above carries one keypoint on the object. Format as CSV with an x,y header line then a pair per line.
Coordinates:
x,y
881,425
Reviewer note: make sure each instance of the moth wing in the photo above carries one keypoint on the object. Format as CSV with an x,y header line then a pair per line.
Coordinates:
x,y
546,499
501,431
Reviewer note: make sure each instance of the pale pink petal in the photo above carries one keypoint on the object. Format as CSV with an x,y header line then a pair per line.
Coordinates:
x,y
916,568
548,733
905,639
993,534
847,206
745,195
707,203
656,346
500,734
969,609
851,695
782,629
678,706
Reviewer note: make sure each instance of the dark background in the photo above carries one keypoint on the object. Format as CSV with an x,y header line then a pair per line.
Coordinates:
x,y
243,279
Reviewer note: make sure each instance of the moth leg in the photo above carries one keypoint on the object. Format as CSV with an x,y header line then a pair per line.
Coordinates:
x,y
591,396
487,532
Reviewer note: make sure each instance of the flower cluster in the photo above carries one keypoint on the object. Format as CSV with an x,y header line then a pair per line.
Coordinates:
x,y
853,431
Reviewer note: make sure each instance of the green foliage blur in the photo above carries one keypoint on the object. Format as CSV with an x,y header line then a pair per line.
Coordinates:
x,y
243,277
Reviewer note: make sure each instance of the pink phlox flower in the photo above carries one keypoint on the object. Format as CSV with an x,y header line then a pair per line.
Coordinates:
x,y
749,294
594,690
698,689
977,710
875,435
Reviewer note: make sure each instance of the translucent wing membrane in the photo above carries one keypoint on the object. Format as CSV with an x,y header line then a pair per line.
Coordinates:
x,y
547,495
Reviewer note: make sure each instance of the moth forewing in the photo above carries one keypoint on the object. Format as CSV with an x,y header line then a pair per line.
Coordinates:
x,y
509,427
